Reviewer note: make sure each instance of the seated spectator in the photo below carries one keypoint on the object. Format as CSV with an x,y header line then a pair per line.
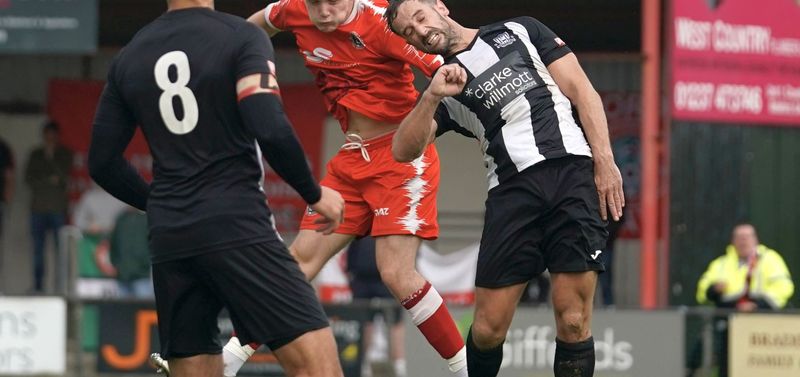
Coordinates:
x,y
130,254
94,215
96,211
748,277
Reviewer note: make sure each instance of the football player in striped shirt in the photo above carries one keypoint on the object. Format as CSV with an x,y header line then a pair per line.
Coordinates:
x,y
552,176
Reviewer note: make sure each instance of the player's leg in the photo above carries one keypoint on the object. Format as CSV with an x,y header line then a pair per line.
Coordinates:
x,y
187,317
576,237
312,354
312,249
271,302
573,296
196,366
235,354
509,257
396,258
403,198
494,310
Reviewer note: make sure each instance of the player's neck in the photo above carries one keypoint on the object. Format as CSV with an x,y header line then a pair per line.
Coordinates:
x,y
183,4
464,39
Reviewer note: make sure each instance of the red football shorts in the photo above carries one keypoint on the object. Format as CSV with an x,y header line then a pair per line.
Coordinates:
x,y
382,196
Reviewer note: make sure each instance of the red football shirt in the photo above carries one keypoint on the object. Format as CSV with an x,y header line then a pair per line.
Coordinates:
x,y
361,65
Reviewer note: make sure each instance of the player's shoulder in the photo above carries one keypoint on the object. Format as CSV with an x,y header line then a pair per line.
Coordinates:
x,y
213,24
372,12
523,20
288,13
526,22
371,22
376,7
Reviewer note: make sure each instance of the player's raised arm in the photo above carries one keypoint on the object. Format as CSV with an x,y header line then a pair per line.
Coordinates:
x,y
418,129
113,129
259,18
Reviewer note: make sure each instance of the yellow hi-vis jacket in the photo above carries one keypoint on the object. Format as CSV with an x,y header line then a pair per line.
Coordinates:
x,y
770,279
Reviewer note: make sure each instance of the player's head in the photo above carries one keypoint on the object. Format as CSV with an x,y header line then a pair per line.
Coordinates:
x,y
327,15
424,24
744,239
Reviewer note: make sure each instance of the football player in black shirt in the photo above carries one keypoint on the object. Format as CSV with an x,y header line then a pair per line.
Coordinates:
x,y
201,86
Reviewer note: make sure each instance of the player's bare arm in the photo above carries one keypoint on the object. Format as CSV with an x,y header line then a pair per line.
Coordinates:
x,y
418,129
259,19
572,81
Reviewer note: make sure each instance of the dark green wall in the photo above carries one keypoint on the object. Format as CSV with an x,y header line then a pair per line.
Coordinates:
x,y
722,174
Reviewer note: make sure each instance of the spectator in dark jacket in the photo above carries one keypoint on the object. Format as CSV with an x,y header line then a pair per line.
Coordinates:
x,y
47,175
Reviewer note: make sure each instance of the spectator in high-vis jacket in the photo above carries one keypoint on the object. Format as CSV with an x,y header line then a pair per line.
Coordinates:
x,y
747,277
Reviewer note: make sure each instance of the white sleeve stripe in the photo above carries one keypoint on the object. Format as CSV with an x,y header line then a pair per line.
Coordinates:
x,y
267,11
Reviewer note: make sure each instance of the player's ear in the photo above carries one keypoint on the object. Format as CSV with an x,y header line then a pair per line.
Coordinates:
x,y
441,8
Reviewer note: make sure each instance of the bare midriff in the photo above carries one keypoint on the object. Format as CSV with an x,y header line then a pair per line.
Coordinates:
x,y
367,127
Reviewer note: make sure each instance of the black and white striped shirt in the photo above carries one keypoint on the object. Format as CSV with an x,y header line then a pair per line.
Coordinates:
x,y
510,102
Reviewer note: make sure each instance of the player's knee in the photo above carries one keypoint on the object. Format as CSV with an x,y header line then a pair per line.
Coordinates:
x,y
391,275
486,334
572,325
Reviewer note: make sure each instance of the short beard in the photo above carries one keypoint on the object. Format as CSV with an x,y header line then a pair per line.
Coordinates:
x,y
449,38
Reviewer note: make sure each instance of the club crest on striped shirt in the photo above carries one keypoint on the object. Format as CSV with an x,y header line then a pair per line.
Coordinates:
x,y
504,40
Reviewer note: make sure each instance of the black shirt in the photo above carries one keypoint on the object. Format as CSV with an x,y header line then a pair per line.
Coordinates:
x,y
177,80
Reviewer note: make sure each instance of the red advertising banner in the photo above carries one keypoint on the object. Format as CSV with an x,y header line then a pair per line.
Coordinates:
x,y
736,61
72,103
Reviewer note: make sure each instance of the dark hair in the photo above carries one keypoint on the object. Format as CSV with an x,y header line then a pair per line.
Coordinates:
x,y
50,125
391,11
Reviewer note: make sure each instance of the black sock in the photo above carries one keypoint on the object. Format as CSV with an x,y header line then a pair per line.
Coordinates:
x,y
574,359
482,363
